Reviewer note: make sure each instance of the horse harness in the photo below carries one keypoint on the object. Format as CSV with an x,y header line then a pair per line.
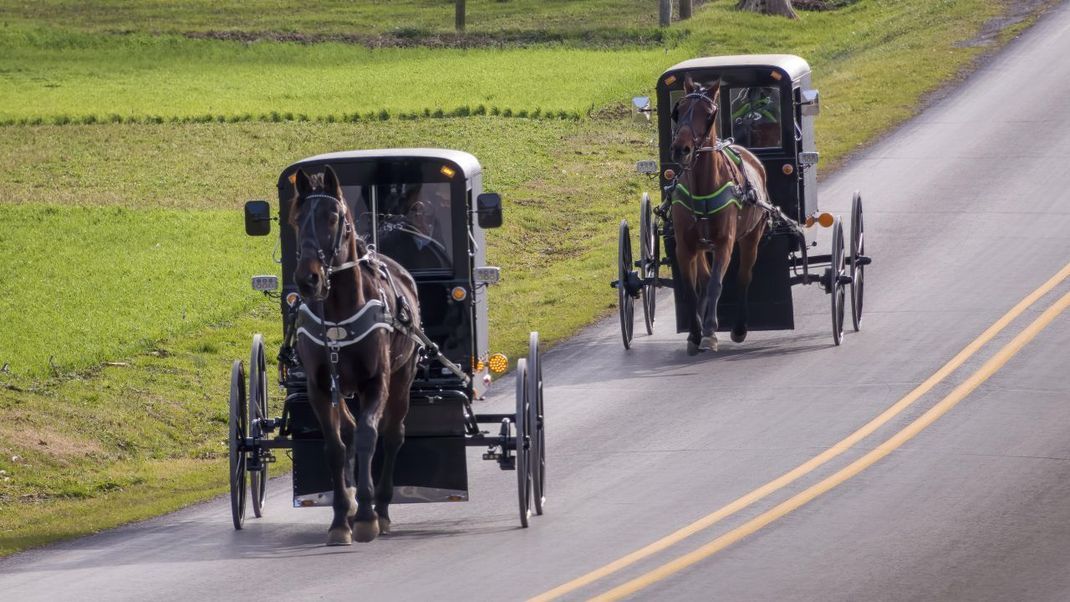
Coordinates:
x,y
731,193
374,315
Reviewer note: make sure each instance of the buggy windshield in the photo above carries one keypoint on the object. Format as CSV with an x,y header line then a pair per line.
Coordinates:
x,y
409,223
756,116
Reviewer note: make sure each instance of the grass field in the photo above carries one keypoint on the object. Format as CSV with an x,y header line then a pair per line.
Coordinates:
x,y
127,293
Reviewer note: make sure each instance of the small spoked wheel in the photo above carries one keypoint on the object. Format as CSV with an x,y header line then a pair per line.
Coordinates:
x,y
649,251
858,261
239,420
836,284
536,420
626,303
258,404
523,445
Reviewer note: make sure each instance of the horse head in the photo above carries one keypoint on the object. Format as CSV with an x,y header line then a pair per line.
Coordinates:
x,y
326,235
695,116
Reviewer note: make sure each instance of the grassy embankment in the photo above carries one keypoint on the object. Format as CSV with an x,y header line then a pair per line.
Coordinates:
x,y
127,419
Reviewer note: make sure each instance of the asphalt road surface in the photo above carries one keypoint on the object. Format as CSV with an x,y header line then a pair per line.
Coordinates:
x,y
959,490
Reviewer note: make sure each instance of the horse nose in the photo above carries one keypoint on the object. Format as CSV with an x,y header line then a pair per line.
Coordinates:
x,y
312,280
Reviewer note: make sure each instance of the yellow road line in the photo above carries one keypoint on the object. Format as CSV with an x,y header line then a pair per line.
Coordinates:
x,y
810,465
960,392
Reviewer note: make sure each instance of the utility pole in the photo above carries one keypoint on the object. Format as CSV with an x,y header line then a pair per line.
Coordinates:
x,y
458,15
665,13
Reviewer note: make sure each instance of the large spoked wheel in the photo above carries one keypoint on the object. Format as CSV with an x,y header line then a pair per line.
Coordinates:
x,y
858,261
837,290
624,296
238,423
258,404
523,461
537,422
650,261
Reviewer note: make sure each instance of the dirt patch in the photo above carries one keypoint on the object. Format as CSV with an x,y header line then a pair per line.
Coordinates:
x,y
1017,11
821,4
424,39
47,441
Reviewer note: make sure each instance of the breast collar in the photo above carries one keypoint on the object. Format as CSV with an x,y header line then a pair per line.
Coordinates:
x,y
375,315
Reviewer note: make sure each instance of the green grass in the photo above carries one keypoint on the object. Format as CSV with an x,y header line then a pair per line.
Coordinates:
x,y
97,282
62,76
368,17
83,206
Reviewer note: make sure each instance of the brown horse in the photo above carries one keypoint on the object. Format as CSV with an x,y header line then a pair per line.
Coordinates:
x,y
353,341
715,203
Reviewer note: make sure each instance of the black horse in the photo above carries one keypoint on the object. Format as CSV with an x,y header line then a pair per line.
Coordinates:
x,y
354,339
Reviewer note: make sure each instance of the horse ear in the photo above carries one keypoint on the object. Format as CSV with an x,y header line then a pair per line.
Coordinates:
x,y
714,91
689,85
302,183
330,182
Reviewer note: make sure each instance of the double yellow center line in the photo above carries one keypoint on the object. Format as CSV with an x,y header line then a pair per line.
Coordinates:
x,y
942,407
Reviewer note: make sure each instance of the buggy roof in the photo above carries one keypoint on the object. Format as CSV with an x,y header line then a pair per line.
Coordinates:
x,y
794,66
467,162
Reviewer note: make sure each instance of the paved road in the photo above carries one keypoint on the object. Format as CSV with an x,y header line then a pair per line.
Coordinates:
x,y
967,212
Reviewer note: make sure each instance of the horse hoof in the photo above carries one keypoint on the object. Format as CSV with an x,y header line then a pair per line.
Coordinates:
x,y
340,537
384,526
365,531
708,343
738,336
692,348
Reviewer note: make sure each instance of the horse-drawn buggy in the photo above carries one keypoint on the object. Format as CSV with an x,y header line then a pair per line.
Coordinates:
x,y
738,209
385,347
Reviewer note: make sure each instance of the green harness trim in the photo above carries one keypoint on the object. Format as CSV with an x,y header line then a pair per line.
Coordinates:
x,y
709,204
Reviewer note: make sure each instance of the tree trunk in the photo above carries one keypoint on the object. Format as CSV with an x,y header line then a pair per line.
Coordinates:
x,y
769,7
458,16
685,10
664,12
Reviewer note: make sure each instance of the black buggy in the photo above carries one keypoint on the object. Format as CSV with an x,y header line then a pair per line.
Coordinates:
x,y
426,209
767,106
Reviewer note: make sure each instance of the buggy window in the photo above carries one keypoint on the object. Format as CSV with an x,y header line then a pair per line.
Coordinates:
x,y
756,116
409,223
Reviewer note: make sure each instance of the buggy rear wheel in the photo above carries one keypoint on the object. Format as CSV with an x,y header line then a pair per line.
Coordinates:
x,y
858,261
626,302
836,284
536,422
238,423
258,405
523,460
649,261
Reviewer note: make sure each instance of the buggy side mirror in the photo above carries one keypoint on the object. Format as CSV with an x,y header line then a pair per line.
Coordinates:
x,y
257,218
642,104
810,103
489,210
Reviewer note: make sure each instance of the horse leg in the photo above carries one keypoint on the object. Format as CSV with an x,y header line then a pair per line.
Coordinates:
x,y
748,254
334,424
722,254
686,261
366,521
392,430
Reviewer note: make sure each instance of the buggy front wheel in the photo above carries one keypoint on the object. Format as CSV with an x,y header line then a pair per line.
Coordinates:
x,y
523,446
258,404
239,420
836,282
625,298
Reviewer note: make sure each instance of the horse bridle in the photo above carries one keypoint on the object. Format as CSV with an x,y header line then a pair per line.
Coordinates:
x,y
310,239
709,146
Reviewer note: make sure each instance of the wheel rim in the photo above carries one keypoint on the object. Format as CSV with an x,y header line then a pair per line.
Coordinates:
x,y
624,267
647,236
837,268
523,474
536,422
858,272
238,422
257,411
